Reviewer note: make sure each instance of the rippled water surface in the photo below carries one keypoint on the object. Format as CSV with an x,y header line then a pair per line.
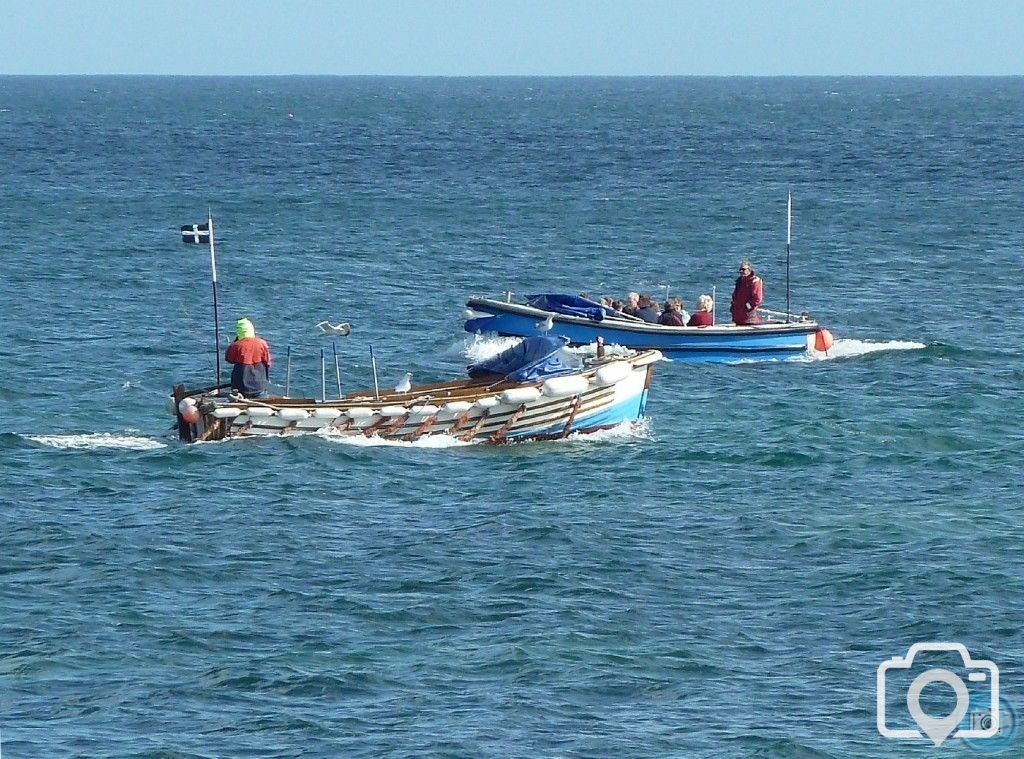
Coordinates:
x,y
722,579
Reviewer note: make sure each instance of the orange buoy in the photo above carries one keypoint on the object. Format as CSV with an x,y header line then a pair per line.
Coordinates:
x,y
190,415
823,340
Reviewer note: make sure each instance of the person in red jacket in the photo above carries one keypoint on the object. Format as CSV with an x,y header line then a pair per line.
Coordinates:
x,y
704,315
747,296
251,357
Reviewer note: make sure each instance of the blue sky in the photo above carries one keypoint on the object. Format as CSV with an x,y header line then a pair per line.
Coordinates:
x,y
522,37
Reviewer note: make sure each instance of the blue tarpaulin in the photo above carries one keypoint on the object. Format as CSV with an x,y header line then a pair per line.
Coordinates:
x,y
571,305
533,359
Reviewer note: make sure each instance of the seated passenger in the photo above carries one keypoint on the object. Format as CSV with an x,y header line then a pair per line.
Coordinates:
x,y
647,310
683,313
671,316
632,304
704,316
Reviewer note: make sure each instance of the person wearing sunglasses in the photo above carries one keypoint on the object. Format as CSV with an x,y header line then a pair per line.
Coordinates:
x,y
747,296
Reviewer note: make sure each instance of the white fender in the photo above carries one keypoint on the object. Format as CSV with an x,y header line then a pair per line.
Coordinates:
x,y
489,401
516,395
612,373
560,387
260,412
326,413
456,407
226,412
360,412
184,403
394,411
292,414
424,410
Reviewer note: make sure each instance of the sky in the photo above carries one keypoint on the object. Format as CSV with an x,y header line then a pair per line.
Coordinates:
x,y
514,37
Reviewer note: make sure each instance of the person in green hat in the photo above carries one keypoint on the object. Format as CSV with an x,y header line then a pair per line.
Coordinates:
x,y
251,358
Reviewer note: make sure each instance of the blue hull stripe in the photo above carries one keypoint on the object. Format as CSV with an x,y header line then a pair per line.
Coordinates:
x,y
627,411
697,345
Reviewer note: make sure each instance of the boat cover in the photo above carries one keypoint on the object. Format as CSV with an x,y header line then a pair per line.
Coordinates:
x,y
532,359
571,305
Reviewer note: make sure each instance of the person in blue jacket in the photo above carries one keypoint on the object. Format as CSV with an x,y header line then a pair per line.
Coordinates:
x,y
648,312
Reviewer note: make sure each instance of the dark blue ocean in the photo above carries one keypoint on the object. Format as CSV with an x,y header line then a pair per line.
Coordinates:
x,y
722,580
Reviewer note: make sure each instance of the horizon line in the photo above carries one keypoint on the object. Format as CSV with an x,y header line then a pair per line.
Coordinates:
x,y
526,76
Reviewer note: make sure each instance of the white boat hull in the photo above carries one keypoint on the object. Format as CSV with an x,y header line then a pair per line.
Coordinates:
x,y
604,394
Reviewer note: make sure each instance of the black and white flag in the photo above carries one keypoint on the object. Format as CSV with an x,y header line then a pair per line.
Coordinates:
x,y
196,233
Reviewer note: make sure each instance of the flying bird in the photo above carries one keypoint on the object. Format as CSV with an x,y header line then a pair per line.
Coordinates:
x,y
405,385
327,328
546,325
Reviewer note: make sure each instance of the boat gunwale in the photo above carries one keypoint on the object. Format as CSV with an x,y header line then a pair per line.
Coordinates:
x,y
629,325
434,393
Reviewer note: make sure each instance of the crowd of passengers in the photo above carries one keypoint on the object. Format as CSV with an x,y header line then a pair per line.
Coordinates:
x,y
747,295
671,313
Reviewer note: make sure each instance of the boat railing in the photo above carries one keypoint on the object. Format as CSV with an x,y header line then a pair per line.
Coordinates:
x,y
782,316
619,315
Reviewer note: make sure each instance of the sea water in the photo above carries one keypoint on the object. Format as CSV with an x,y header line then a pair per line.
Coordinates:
x,y
722,579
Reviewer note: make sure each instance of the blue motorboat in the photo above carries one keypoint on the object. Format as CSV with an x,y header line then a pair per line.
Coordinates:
x,y
583,321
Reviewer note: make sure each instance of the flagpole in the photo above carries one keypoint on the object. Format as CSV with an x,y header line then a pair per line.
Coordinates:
x,y
216,307
789,240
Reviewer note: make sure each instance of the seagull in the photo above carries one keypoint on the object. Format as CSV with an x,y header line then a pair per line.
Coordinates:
x,y
546,325
327,328
405,385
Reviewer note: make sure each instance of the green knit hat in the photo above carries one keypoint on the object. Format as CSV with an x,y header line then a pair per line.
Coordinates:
x,y
244,328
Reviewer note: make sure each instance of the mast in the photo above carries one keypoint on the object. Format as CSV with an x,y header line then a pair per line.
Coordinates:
x,y
789,240
216,307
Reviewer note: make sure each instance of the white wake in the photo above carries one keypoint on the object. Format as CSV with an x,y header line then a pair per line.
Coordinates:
x,y
622,431
850,348
98,440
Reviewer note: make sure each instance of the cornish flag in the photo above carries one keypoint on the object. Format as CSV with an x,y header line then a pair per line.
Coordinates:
x,y
196,233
